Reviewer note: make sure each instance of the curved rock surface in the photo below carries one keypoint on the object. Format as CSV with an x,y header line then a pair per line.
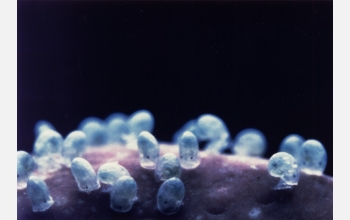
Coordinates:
x,y
221,187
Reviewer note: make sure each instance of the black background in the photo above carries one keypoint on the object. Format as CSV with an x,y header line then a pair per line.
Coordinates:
x,y
266,65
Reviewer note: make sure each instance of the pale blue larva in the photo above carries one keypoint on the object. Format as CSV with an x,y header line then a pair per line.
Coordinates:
x,y
47,151
188,150
189,126
312,157
168,166
117,128
41,126
170,196
109,173
212,129
48,142
292,144
84,175
25,167
139,121
123,194
95,130
249,142
284,166
39,194
148,150
73,146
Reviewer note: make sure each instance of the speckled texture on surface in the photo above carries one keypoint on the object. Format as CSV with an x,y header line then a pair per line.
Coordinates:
x,y
221,187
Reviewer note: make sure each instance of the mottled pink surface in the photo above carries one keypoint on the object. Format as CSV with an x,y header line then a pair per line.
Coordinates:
x,y
221,187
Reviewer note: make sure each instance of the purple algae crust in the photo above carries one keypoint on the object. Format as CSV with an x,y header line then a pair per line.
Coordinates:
x,y
221,187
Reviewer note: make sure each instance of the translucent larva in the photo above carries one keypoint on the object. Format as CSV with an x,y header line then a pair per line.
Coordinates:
x,y
284,166
168,166
109,173
148,150
189,126
117,128
123,194
139,121
292,144
47,151
84,175
211,128
249,142
39,194
25,166
73,146
188,149
312,157
48,142
41,126
170,196
95,130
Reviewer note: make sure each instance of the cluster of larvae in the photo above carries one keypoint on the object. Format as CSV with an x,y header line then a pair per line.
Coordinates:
x,y
123,188
297,155
120,185
51,151
212,130
168,168
37,190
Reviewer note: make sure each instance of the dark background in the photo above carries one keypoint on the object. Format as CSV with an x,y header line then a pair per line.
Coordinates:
x,y
266,65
